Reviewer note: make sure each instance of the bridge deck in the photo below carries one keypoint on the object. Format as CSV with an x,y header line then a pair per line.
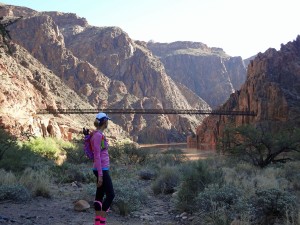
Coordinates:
x,y
146,111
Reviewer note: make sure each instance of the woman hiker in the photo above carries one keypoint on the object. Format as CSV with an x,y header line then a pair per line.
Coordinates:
x,y
101,170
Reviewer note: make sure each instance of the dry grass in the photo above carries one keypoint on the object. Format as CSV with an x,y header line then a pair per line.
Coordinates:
x,y
7,178
38,182
249,178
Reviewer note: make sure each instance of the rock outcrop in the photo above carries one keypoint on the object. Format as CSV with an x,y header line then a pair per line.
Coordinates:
x,y
209,72
271,91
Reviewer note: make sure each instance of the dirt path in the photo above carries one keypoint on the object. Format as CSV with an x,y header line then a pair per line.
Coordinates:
x,y
59,211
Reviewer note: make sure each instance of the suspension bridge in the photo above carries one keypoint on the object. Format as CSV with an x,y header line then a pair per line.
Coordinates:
x,y
146,111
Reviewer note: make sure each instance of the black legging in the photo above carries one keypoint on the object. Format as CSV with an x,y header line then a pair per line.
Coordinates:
x,y
106,189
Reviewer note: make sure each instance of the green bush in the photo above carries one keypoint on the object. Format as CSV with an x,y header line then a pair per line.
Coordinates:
x,y
268,206
128,196
196,176
14,192
167,181
46,147
19,158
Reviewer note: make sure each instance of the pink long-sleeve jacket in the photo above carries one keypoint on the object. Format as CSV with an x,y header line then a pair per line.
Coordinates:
x,y
101,156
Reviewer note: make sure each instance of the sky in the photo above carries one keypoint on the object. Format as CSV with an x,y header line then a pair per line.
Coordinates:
x,y
240,27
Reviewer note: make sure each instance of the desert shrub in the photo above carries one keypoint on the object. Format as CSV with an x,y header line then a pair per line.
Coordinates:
x,y
215,217
167,180
215,197
15,192
147,174
268,179
238,179
7,178
220,205
246,169
128,197
67,173
270,205
196,176
38,182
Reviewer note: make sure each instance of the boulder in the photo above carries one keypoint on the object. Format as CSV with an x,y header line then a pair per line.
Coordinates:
x,y
81,205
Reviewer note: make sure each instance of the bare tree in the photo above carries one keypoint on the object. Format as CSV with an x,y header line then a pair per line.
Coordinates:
x,y
258,145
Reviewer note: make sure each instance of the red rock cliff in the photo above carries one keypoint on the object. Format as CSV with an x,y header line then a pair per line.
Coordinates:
x,y
272,91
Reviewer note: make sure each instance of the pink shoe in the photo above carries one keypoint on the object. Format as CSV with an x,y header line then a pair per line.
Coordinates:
x,y
100,220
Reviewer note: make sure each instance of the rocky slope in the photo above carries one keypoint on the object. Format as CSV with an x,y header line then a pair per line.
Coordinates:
x,y
272,91
209,72
26,87
108,69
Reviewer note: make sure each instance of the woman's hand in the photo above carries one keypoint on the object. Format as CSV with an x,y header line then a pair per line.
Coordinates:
x,y
100,181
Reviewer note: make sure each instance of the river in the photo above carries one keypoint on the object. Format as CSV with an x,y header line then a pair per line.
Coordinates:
x,y
191,153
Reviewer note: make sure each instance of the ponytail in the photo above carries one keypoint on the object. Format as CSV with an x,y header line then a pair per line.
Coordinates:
x,y
99,123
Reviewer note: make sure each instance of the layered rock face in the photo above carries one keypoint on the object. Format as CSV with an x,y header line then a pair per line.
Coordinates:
x,y
109,70
271,91
208,72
